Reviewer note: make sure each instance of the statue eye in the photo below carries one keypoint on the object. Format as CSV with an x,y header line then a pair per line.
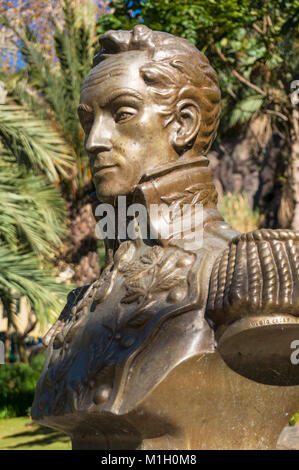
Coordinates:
x,y
124,113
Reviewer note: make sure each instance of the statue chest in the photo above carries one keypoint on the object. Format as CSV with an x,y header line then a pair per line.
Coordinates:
x,y
91,360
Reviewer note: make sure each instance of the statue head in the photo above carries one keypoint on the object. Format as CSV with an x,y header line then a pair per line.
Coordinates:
x,y
149,100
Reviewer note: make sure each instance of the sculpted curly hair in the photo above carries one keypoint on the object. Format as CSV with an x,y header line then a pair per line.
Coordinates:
x,y
176,70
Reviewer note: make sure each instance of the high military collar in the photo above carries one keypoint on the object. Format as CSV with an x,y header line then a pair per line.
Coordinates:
x,y
185,181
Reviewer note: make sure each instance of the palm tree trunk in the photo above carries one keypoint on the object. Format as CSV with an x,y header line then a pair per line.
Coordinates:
x,y
6,346
22,350
22,335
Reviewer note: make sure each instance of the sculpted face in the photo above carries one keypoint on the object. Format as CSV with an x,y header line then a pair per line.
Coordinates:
x,y
125,136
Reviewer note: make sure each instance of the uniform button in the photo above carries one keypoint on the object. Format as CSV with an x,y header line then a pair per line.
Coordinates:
x,y
176,295
183,262
102,394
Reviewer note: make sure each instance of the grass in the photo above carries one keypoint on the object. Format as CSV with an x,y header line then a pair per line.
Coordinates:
x,y
21,434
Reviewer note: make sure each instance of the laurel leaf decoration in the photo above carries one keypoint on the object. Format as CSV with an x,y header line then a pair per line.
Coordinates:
x,y
104,371
150,275
133,294
173,197
142,318
199,193
168,282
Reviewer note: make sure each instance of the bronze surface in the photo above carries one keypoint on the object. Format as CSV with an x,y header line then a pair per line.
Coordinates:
x,y
133,361
201,404
254,305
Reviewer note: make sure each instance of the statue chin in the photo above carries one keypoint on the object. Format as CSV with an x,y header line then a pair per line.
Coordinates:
x,y
111,186
106,192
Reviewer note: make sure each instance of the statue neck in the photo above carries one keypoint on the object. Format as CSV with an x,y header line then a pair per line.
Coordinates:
x,y
186,181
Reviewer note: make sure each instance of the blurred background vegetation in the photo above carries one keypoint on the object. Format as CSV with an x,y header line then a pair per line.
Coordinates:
x,y
47,241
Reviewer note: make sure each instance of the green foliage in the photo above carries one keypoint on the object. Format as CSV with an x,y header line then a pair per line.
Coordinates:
x,y
253,45
32,212
37,363
245,109
21,273
236,210
41,141
33,143
17,385
188,18
294,419
43,85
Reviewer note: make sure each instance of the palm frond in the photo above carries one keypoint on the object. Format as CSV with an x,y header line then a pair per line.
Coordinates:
x,y
21,274
28,97
31,210
59,84
33,142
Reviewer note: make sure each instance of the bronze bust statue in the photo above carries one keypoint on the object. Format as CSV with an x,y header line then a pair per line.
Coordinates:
x,y
139,359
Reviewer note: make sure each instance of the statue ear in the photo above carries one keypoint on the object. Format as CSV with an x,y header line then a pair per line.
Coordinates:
x,y
187,122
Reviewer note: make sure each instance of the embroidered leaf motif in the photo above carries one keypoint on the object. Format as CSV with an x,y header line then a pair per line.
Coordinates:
x,y
141,314
199,193
171,198
105,373
153,273
168,282
142,318
131,297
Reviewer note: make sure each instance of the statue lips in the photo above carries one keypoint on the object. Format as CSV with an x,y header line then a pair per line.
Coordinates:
x,y
101,167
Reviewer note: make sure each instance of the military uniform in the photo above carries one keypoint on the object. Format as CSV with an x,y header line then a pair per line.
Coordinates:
x,y
154,310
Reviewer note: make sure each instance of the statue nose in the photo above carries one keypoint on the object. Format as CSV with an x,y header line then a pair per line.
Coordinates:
x,y
98,145
99,139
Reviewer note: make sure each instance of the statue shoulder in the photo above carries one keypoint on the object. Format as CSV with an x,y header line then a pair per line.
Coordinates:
x,y
258,270
253,305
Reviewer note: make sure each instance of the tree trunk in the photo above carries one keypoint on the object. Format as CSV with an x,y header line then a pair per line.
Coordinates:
x,y
21,337
83,244
6,346
250,161
21,349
